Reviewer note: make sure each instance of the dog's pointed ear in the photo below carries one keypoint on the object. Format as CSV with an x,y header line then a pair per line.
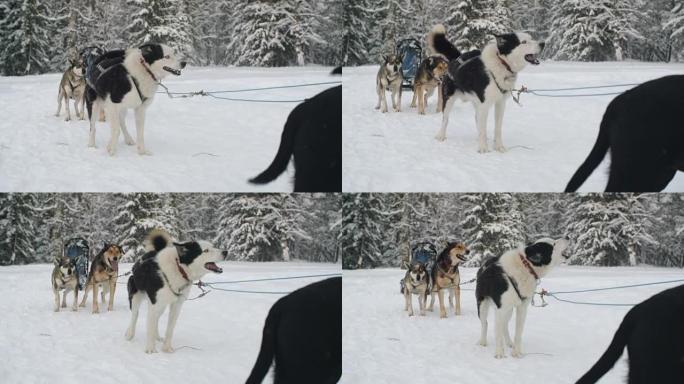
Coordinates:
x,y
501,40
181,249
384,58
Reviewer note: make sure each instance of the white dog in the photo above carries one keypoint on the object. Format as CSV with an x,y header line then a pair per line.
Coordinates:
x,y
164,275
129,79
485,79
508,282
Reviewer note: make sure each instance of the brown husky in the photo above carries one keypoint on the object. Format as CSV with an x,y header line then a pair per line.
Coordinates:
x,y
445,276
427,80
103,272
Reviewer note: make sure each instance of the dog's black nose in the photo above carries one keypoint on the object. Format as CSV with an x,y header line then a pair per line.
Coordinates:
x,y
541,45
224,253
183,64
467,251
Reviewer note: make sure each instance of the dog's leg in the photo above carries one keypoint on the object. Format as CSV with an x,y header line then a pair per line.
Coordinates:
x,y
500,317
415,95
382,99
136,300
481,112
440,99
96,107
140,130
442,308
422,95
127,136
409,301
78,114
422,297
56,292
85,294
441,135
520,315
451,297
74,307
64,298
67,98
432,300
397,107
457,298
153,314
507,334
59,101
499,108
112,289
96,307
484,310
115,125
82,99
406,301
174,311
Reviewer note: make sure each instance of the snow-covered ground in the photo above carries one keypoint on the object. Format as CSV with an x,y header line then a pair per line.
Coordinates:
x,y
381,344
397,152
224,329
199,144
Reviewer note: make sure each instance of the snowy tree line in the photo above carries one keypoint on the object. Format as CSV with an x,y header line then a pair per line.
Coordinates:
x,y
576,30
38,36
251,227
604,229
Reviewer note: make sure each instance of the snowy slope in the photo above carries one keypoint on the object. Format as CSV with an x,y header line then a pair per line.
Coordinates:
x,y
397,152
199,144
38,345
381,344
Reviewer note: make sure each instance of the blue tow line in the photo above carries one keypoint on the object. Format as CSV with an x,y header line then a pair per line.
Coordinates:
x,y
536,92
213,93
553,294
211,285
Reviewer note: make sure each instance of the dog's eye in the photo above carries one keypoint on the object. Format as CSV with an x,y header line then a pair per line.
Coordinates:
x,y
206,250
524,42
167,57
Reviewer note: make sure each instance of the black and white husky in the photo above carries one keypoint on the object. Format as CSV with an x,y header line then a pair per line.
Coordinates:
x,y
485,80
128,79
164,276
508,282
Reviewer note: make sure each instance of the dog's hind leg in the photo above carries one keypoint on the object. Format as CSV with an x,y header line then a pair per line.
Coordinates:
x,y
93,111
441,135
56,300
59,101
112,289
442,308
136,300
174,311
67,98
440,98
484,311
481,112
140,130
415,96
507,335
87,288
500,317
409,301
153,314
127,136
499,108
96,307
520,315
64,298
74,307
432,301
115,125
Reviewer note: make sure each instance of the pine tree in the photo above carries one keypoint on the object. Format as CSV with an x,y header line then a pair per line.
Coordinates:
x,y
17,219
25,37
160,21
356,37
475,22
360,234
592,30
676,25
137,215
493,225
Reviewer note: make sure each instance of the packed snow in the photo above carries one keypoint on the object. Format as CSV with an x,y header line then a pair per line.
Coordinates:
x,y
547,139
222,330
199,144
382,344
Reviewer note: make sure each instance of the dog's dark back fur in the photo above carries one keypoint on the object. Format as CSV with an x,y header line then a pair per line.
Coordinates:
x,y
313,135
491,282
654,336
145,275
643,130
303,332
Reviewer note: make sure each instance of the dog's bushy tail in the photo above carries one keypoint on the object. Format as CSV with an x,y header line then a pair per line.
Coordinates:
x,y
613,353
268,346
157,240
598,152
438,43
285,150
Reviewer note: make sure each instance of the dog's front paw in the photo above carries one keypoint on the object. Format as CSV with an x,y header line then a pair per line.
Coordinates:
x,y
410,313
422,313
167,348
111,150
440,137
500,148
130,333
110,308
56,309
483,149
150,350
74,308
129,141
96,310
482,342
383,109
67,119
442,314
457,312
500,355
82,305
144,152
516,353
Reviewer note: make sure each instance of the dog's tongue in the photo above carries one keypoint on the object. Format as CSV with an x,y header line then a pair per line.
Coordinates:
x,y
213,267
115,265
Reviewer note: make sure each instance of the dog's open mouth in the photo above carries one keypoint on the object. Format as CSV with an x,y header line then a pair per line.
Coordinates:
x,y
115,265
461,257
532,59
213,267
176,72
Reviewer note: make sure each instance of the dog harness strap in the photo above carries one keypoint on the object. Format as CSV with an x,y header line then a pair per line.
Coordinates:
x,y
182,271
502,90
180,291
528,266
142,61
505,64
137,88
515,287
